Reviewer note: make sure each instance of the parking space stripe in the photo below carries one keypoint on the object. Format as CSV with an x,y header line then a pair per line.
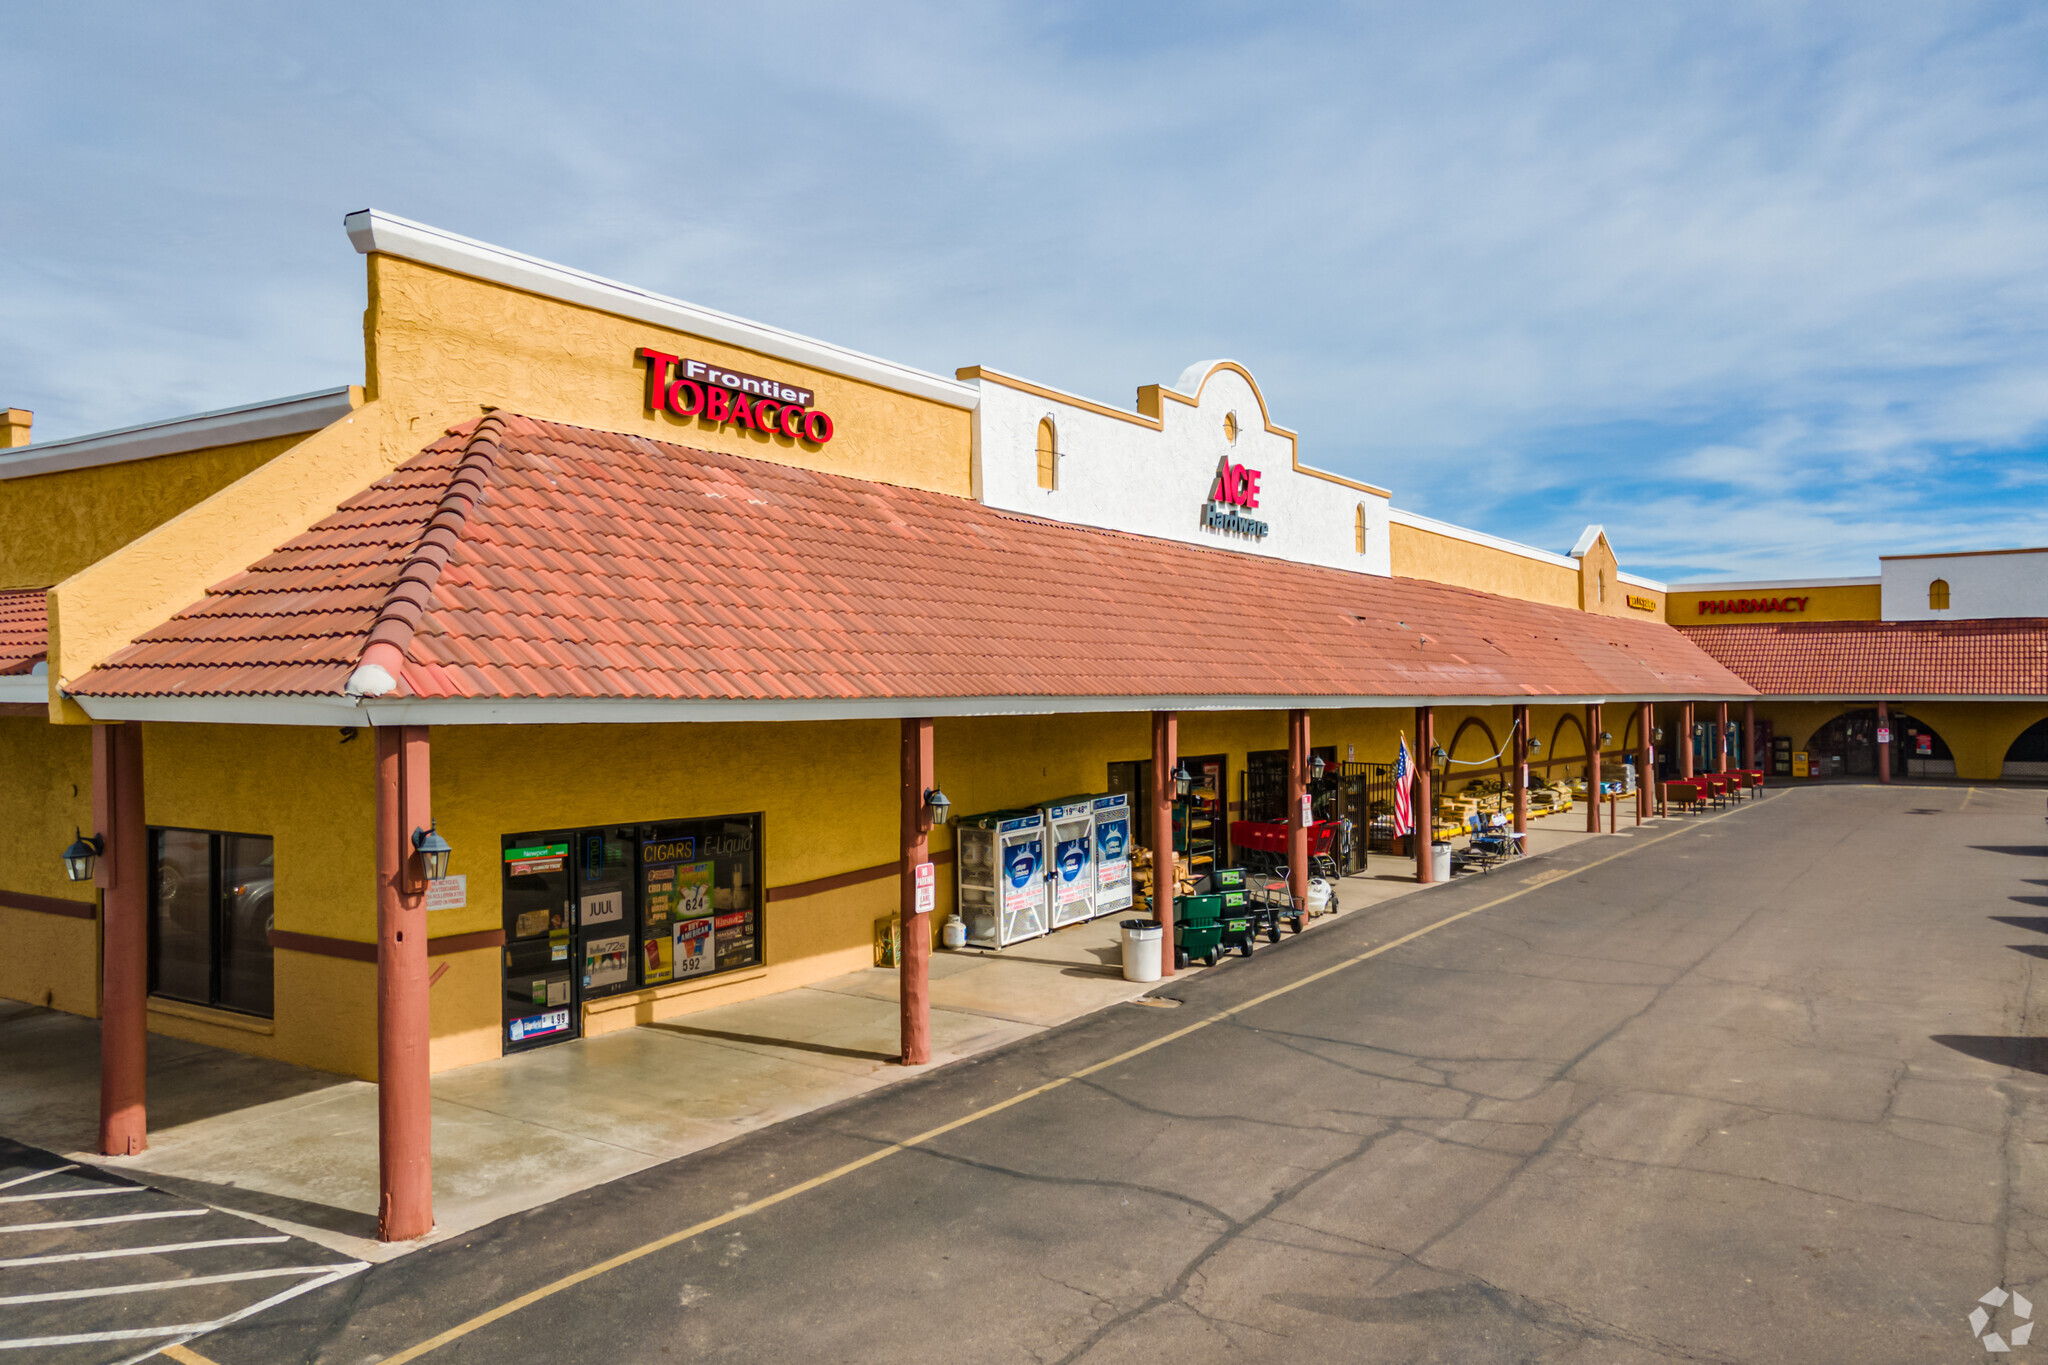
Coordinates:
x,y
70,1194
152,1286
38,1175
101,1222
164,1249
183,1331
185,1355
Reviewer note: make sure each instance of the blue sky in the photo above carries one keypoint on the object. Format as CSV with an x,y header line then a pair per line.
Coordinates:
x,y
1762,288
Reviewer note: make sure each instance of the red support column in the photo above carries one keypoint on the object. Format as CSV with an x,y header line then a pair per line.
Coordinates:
x,y
1297,794
914,986
1425,805
1884,751
1593,769
124,950
1685,724
1521,764
1721,738
1749,758
405,1147
1646,759
1165,758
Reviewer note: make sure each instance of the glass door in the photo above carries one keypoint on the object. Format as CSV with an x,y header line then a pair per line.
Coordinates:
x,y
1203,835
539,905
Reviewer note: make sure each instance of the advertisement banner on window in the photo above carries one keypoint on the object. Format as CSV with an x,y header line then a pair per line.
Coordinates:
x,y
524,862
695,954
538,1025
606,961
657,961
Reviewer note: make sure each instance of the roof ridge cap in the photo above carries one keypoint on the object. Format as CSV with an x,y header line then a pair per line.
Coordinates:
x,y
377,669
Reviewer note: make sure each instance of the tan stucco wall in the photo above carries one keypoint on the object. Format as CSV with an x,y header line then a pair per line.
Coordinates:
x,y
45,795
1417,553
314,796
442,345
53,525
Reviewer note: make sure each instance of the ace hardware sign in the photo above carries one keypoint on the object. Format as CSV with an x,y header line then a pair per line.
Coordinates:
x,y
697,388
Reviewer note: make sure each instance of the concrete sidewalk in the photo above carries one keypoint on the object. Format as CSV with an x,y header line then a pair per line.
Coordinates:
x,y
298,1148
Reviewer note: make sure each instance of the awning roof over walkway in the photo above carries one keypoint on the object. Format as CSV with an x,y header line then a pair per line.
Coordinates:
x,y
24,629
521,559
1873,659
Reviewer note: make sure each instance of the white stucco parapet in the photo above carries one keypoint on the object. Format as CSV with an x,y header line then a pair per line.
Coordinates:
x,y
1152,471
1982,585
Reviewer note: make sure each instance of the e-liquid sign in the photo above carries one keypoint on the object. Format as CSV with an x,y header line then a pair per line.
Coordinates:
x,y
1234,487
696,388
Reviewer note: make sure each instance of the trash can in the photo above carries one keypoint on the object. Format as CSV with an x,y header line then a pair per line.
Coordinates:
x,y
1142,942
1440,862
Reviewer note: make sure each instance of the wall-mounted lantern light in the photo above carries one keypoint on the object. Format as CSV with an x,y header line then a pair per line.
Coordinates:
x,y
937,808
1606,738
1183,781
82,856
434,852
1315,768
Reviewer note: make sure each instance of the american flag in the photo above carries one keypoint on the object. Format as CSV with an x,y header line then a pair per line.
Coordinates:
x,y
1404,809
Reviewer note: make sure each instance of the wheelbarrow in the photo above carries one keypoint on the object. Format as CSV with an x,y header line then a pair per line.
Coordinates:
x,y
1197,929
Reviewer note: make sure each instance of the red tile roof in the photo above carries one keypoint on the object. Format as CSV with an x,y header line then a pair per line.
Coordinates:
x,y
24,629
518,558
2006,658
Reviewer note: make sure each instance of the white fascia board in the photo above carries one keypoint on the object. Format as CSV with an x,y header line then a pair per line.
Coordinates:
x,y
17,688
646,711
1588,538
1638,581
226,710
625,710
1445,528
373,231
302,412
1777,584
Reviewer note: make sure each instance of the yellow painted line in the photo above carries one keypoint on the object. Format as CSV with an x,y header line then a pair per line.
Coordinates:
x,y
1966,799
733,1215
185,1355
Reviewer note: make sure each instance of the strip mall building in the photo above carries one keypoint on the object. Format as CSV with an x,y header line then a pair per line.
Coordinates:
x,y
659,615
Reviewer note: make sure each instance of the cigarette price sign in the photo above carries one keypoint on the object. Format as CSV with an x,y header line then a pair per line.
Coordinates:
x,y
927,886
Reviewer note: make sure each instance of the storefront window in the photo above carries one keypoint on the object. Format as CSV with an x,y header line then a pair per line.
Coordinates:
x,y
210,916
599,911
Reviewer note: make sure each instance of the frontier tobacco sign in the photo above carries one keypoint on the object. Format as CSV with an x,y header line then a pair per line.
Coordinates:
x,y
697,388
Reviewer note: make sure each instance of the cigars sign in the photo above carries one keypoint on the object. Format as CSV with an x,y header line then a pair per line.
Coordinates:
x,y
697,388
